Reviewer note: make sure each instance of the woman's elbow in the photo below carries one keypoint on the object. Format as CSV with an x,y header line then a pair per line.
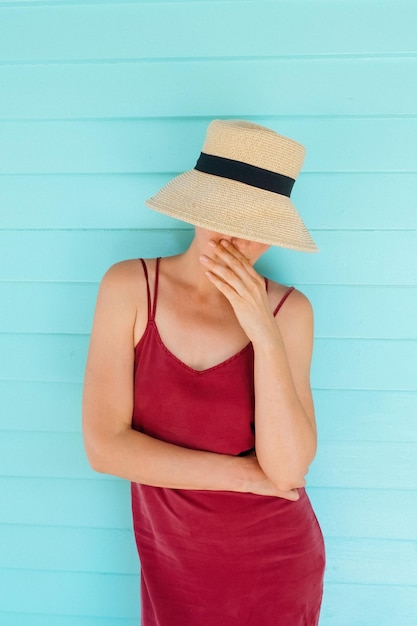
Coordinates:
x,y
94,458
106,451
286,478
96,452
296,482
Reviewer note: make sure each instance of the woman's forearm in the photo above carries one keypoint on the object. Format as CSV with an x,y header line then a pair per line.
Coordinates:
x,y
285,435
140,458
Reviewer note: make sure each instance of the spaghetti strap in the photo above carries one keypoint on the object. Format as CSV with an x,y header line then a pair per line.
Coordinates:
x,y
148,291
281,302
155,292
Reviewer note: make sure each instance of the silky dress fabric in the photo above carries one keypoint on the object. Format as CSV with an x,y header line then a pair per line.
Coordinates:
x,y
211,558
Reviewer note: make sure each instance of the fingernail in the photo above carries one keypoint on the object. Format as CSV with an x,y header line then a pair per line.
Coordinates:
x,y
225,243
212,243
203,258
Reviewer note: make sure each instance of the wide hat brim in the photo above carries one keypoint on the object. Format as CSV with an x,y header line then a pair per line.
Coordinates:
x,y
233,208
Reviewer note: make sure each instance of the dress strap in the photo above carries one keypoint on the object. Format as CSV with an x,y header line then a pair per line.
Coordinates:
x,y
151,303
284,297
155,292
148,291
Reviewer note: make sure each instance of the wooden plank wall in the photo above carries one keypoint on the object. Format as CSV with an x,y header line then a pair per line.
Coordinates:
x,y
101,103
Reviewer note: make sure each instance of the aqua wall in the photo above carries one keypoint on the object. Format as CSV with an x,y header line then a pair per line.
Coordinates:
x,y
102,102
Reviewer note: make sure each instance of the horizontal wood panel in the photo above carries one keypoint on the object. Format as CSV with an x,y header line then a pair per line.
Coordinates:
x,y
338,464
314,87
105,30
84,201
47,307
49,548
45,454
66,502
367,465
364,364
70,593
355,257
366,514
357,200
326,201
341,311
337,363
358,258
350,311
354,561
342,415
371,561
44,358
82,256
38,406
152,146
366,605
41,619
347,415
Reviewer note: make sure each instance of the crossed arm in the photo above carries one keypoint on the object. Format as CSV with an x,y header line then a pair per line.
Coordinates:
x,y
285,431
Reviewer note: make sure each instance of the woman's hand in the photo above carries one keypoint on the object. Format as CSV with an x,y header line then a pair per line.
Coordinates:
x,y
233,275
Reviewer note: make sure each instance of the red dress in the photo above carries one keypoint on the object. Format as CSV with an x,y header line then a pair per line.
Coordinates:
x,y
216,558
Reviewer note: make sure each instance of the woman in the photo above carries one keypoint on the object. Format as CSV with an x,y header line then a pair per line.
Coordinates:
x,y
197,391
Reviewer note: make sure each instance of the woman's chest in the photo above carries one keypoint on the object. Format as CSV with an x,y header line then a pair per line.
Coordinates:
x,y
210,410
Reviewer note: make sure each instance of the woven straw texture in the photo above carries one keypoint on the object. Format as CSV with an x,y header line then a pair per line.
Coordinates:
x,y
234,208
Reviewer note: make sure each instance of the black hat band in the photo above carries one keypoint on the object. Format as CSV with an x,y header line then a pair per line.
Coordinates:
x,y
245,173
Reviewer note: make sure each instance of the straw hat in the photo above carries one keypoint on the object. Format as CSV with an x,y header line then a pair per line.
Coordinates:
x,y
241,186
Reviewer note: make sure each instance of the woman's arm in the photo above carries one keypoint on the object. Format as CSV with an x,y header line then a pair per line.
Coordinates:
x,y
284,414
112,446
286,438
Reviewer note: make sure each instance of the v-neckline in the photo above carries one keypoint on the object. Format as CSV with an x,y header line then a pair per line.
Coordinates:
x,y
152,324
206,370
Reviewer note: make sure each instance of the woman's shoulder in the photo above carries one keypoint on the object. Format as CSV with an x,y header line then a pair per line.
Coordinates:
x,y
127,278
295,316
288,294
128,270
